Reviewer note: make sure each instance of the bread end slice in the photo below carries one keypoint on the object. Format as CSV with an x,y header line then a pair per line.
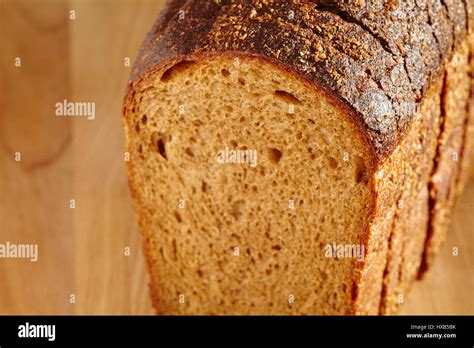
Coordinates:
x,y
254,189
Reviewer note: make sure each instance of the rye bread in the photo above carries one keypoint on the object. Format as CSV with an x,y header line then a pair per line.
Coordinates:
x,y
385,72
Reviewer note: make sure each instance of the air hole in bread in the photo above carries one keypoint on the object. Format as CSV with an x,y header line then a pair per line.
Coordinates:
x,y
324,275
287,97
361,175
225,72
237,207
178,217
178,67
175,249
274,155
241,81
204,187
144,119
332,162
158,143
162,253
189,152
161,148
276,247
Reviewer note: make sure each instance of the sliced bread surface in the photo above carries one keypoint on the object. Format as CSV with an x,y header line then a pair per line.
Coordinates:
x,y
263,235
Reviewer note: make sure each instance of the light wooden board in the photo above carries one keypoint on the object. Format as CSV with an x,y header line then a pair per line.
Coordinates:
x,y
81,250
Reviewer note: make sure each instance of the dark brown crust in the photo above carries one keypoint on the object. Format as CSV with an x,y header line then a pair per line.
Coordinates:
x,y
376,60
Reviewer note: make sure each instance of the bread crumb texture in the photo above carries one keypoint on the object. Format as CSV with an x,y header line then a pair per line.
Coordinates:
x,y
309,189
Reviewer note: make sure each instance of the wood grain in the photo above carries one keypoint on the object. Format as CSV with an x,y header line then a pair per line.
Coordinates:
x,y
105,224
34,192
82,249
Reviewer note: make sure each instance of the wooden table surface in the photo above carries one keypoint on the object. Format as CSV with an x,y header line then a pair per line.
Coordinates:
x,y
82,266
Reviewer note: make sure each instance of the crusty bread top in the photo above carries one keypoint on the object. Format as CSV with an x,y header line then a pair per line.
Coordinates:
x,y
375,58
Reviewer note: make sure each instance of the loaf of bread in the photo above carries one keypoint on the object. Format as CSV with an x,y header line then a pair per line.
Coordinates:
x,y
297,156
